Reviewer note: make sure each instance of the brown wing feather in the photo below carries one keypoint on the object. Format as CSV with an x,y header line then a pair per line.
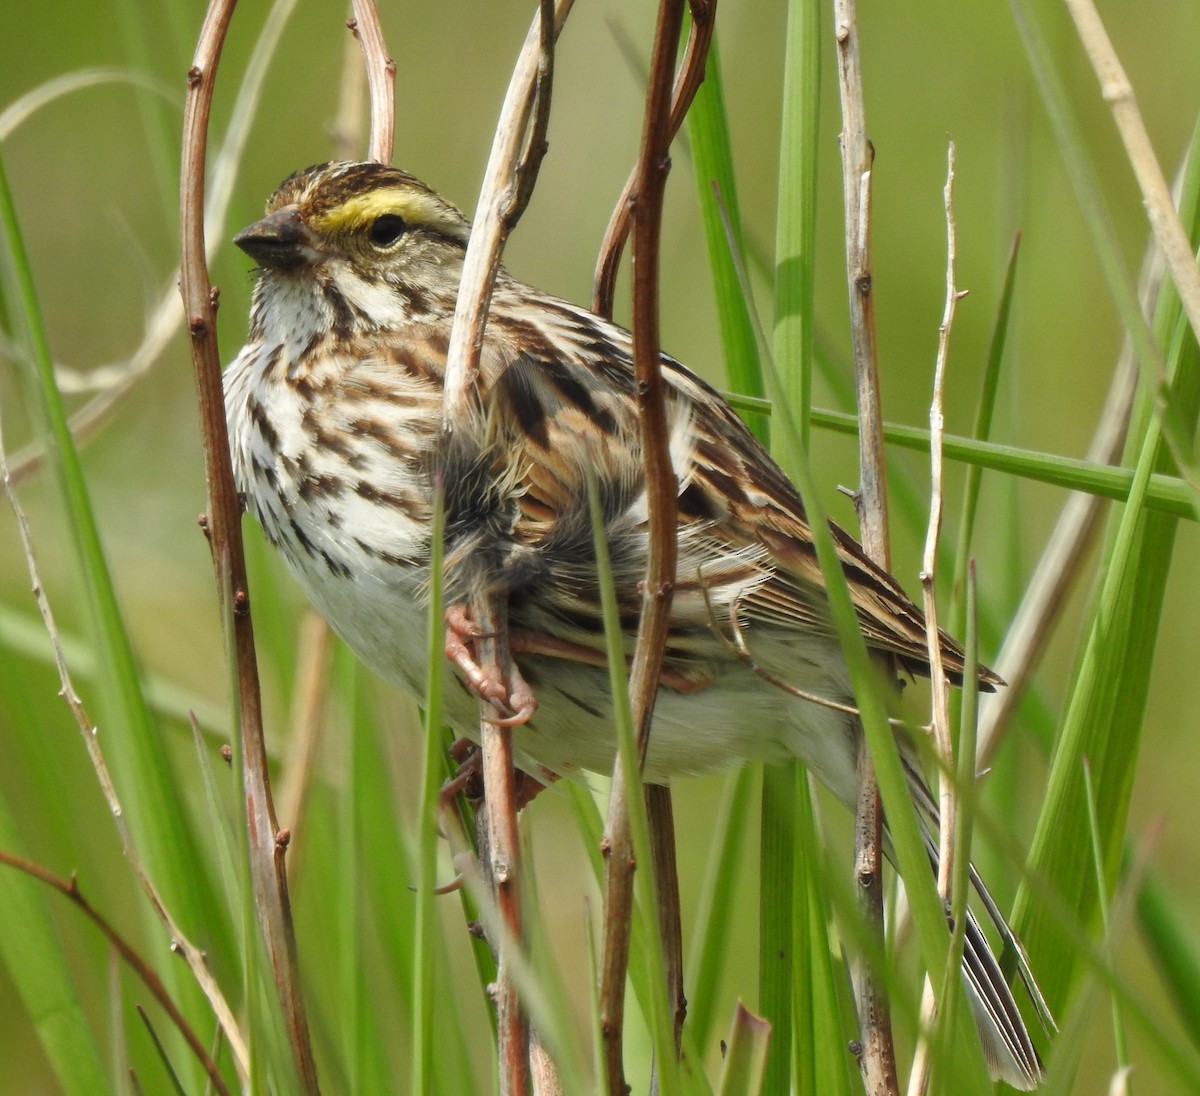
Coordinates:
x,y
555,416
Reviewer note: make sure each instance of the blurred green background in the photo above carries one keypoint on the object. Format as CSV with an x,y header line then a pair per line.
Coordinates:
x,y
94,175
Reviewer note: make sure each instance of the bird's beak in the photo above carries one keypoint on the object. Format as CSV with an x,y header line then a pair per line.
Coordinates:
x,y
280,241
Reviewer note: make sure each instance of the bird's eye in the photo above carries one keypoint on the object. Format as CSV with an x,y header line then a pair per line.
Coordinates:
x,y
386,230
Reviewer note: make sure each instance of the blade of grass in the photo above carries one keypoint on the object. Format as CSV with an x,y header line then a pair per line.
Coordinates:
x,y
721,891
712,163
1120,1047
1172,945
1162,491
983,429
1106,707
794,346
746,1059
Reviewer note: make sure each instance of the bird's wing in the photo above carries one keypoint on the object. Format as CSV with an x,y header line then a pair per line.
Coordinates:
x,y
553,423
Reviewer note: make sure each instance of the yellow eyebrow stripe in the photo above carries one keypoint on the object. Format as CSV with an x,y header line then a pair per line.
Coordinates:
x,y
413,206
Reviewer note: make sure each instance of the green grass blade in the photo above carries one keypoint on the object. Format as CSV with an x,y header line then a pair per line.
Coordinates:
x,y
794,345
1120,1046
776,915
1172,944
712,159
1162,491
1107,704
982,431
746,1059
722,891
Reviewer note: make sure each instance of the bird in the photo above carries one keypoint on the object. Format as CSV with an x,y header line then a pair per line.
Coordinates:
x,y
335,413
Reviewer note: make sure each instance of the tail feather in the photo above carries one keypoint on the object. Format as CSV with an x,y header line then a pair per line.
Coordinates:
x,y
1007,1046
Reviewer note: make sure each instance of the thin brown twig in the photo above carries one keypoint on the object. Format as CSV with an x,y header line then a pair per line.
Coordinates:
x,y
381,79
501,846
192,955
878,1060
517,150
266,846
500,196
129,954
687,83
940,683
657,589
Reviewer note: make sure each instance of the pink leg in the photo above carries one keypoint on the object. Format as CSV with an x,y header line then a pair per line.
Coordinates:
x,y
518,697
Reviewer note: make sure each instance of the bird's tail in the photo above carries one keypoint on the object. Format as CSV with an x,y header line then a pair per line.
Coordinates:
x,y
1007,1046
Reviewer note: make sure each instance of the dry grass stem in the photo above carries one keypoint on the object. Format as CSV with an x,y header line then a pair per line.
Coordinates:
x,y
1164,219
381,79
114,380
654,622
309,691
499,197
517,150
878,1060
267,868
940,685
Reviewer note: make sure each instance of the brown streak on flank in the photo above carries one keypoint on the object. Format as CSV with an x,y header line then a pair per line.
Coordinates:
x,y
337,442
321,485
262,423
266,471
276,367
367,490
383,435
383,556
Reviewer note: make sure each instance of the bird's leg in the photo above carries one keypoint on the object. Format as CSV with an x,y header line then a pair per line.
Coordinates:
x,y
468,778
517,696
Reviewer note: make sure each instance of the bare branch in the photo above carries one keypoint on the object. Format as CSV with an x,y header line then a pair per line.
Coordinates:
x,y
654,623
267,868
517,150
940,715
499,198
381,79
687,83
878,1061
